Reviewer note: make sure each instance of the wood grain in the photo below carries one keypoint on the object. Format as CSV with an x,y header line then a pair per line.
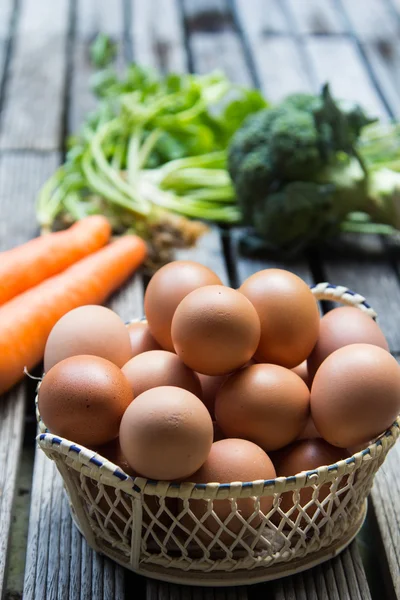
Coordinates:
x,y
337,60
364,266
6,10
61,565
32,115
16,200
371,19
385,496
11,430
157,35
333,579
92,17
315,17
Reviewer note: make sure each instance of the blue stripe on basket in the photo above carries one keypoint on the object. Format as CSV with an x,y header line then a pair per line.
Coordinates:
x,y
202,486
75,448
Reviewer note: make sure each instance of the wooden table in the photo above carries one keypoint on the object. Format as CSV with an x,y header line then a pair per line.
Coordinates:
x,y
280,45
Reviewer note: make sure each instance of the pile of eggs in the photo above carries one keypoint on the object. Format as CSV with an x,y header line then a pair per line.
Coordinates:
x,y
220,385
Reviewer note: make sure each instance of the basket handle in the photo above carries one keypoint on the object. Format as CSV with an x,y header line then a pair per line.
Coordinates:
x,y
342,294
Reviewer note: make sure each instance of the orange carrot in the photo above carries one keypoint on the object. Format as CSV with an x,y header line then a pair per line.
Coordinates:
x,y
27,265
26,321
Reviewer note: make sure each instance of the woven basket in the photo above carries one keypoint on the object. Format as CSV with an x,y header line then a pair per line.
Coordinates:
x,y
170,531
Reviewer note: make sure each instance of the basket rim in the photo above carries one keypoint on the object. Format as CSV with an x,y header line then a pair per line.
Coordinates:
x,y
140,483
109,470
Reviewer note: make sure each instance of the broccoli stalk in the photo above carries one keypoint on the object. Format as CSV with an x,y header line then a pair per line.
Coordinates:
x,y
311,167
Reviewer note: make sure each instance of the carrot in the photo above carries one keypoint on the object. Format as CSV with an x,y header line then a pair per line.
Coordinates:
x,y
26,321
27,265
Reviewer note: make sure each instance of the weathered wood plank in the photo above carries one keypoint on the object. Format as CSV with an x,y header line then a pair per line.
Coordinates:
x,y
385,495
364,268
315,17
371,19
91,18
344,577
61,565
223,48
337,60
384,58
6,10
260,18
11,431
208,252
157,590
32,115
157,35
17,224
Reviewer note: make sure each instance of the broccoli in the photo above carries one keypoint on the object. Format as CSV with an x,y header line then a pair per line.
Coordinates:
x,y
304,170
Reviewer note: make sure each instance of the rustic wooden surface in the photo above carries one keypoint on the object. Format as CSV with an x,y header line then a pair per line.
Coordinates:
x,y
281,46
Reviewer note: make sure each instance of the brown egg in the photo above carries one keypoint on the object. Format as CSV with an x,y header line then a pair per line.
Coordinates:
x,y
305,455
83,398
215,330
288,313
112,451
157,368
210,384
355,394
302,371
166,433
341,327
141,338
228,461
93,330
266,404
310,431
166,290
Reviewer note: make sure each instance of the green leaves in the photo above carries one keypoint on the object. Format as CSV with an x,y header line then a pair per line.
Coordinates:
x,y
153,141
102,51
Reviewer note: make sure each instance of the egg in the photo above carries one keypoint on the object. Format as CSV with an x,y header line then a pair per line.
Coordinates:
x,y
159,368
166,433
112,451
355,394
266,404
83,398
310,431
215,330
305,455
288,313
210,384
230,460
94,330
302,371
341,327
141,338
165,291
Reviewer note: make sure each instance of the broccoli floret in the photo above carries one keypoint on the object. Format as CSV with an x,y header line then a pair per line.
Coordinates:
x,y
293,146
296,215
297,172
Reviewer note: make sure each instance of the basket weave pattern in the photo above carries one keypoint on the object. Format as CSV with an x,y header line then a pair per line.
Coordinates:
x,y
171,531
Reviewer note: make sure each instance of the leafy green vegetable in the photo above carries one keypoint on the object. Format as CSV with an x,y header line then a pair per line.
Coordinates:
x,y
154,144
311,167
102,51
